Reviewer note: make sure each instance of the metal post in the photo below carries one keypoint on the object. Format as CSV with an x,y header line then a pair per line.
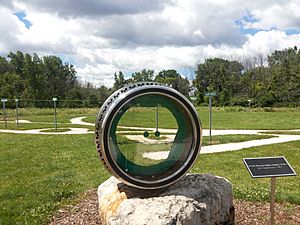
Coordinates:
x,y
210,117
272,205
249,103
17,111
4,113
157,118
55,120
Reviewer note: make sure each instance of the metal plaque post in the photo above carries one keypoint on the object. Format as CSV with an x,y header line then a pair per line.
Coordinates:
x,y
272,203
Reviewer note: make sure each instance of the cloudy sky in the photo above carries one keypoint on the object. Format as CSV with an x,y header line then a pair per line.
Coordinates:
x,y
101,37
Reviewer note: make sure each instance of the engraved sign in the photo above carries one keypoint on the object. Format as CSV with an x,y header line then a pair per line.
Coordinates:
x,y
269,167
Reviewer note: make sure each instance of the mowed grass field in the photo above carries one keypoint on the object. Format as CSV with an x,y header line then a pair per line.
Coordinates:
x,y
42,173
222,118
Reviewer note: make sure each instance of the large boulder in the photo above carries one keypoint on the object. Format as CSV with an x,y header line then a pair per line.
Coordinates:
x,y
194,200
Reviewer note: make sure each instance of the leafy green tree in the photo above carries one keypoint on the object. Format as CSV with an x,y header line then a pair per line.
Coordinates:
x,y
119,80
4,65
285,72
144,75
103,93
172,78
8,83
17,62
220,76
60,77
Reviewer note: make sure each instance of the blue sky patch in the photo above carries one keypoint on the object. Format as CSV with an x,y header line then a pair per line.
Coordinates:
x,y
22,17
189,73
67,59
292,31
248,18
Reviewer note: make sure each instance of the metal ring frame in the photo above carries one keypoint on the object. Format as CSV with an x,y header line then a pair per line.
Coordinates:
x,y
105,129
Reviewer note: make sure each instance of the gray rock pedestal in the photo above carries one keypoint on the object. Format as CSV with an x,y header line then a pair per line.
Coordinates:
x,y
194,200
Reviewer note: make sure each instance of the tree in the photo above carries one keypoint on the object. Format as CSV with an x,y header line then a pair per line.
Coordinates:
x,y
60,78
173,79
17,62
4,65
221,76
119,80
8,83
144,75
285,72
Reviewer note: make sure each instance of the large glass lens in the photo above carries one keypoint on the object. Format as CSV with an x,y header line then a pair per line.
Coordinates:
x,y
151,137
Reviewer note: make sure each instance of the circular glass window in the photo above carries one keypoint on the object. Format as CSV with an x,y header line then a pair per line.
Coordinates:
x,y
148,135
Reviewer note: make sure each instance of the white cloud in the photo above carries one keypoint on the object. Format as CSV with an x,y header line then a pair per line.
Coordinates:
x,y
277,14
152,34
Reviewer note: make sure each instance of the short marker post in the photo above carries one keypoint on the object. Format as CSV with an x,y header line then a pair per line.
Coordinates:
x,y
55,119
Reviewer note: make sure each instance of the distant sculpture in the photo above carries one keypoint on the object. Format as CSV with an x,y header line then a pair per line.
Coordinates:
x,y
142,119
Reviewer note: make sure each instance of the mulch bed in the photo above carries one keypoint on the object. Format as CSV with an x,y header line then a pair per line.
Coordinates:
x,y
86,212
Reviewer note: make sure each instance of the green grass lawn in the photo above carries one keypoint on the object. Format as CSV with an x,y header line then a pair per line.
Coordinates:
x,y
223,139
56,130
223,118
47,115
40,173
252,120
29,126
228,118
230,166
282,132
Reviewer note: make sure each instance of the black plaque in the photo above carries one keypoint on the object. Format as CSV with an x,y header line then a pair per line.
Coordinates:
x,y
269,167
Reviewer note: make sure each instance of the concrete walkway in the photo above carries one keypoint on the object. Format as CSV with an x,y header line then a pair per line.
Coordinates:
x,y
280,138
78,120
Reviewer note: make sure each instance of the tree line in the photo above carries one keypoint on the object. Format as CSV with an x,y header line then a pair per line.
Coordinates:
x,y
34,80
270,81
236,83
167,77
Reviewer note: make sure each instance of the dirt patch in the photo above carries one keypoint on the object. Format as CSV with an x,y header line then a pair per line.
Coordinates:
x,y
83,213
86,212
259,213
